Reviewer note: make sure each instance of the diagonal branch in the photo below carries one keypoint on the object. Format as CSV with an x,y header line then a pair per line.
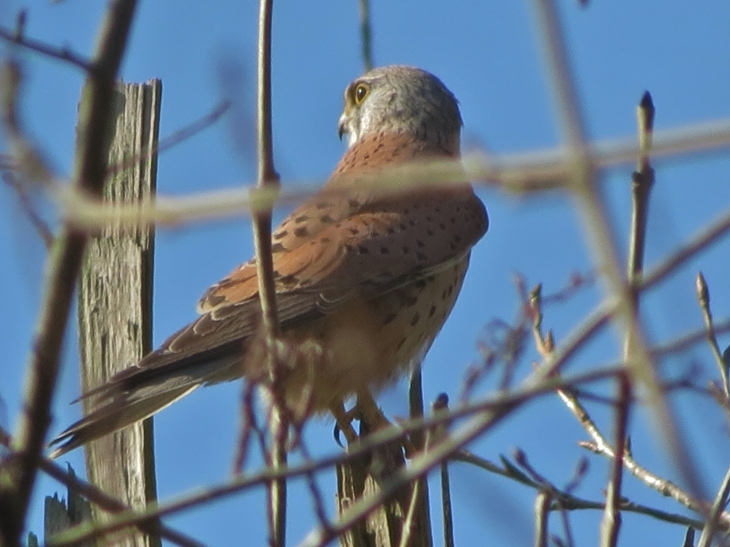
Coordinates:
x,y
18,478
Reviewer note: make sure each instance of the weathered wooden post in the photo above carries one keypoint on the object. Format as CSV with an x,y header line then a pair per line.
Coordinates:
x,y
115,300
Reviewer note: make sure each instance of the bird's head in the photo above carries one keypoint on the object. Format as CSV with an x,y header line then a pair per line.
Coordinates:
x,y
401,99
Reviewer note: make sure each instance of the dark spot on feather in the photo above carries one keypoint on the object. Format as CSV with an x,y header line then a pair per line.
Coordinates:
x,y
405,249
326,219
432,311
354,231
421,256
302,231
442,225
325,240
362,249
420,244
301,218
279,235
390,230
323,205
390,318
277,248
429,232
402,227
420,284
384,251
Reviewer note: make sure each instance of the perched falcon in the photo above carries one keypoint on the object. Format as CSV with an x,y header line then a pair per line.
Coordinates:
x,y
364,281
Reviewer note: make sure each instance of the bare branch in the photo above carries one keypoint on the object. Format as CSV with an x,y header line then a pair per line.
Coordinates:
x,y
62,54
268,178
17,479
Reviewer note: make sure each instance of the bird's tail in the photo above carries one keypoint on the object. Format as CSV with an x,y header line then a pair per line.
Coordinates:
x,y
113,416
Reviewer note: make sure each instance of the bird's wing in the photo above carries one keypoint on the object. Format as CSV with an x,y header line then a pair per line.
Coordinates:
x,y
325,253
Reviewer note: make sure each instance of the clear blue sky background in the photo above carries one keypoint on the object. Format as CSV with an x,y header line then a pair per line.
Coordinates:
x,y
488,54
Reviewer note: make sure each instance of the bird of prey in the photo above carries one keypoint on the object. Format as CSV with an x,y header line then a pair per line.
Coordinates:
x,y
364,279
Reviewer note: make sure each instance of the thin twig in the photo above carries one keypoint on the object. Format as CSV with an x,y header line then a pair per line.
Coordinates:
x,y
437,435
642,181
611,521
100,498
366,34
268,178
17,480
716,512
176,137
62,54
601,446
408,521
28,162
543,500
40,225
703,296
570,502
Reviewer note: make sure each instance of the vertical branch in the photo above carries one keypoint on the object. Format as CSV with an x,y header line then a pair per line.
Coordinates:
x,y
418,442
366,34
267,176
642,181
64,263
611,522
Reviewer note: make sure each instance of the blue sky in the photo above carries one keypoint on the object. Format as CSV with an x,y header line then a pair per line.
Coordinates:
x,y
488,54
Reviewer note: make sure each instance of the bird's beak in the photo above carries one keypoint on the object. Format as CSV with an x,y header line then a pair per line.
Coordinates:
x,y
342,125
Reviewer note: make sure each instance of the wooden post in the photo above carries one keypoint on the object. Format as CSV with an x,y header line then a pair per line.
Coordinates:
x,y
385,526
59,514
115,301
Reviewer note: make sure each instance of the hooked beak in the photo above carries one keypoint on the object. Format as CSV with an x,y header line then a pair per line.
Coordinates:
x,y
342,126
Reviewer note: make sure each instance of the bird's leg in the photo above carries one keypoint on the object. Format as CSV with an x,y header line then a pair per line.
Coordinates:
x,y
370,413
343,421
375,420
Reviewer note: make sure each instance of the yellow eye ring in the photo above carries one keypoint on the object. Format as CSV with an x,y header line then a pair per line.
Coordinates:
x,y
361,91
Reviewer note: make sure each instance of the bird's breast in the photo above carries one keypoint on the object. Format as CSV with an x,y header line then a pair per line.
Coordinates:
x,y
369,343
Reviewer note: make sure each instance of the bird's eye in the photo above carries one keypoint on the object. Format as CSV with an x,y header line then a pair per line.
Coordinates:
x,y
361,91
